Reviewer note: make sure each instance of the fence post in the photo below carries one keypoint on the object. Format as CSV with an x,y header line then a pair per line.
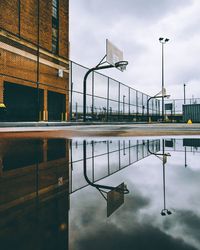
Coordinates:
x,y
119,104
136,105
92,95
129,102
71,92
108,93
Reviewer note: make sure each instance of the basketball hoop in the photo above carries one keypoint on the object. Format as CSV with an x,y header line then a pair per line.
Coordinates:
x,y
121,65
114,59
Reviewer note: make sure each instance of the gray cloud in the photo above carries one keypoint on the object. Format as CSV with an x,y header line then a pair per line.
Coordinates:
x,y
190,223
145,237
135,26
142,9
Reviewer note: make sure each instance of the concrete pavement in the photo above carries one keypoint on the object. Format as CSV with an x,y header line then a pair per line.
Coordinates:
x,y
69,130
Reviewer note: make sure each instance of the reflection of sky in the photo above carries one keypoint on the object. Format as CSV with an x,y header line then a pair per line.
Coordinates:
x,y
138,223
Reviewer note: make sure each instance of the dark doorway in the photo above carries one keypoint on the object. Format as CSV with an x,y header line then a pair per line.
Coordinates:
x,y
22,102
56,106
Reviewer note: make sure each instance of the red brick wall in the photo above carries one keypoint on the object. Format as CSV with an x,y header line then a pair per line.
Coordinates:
x,y
9,15
63,28
9,20
15,65
46,24
28,20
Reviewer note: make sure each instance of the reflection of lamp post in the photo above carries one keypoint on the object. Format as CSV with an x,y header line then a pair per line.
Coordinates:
x,y
164,211
185,157
163,41
98,67
164,155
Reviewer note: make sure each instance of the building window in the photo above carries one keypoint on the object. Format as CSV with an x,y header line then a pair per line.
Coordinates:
x,y
55,26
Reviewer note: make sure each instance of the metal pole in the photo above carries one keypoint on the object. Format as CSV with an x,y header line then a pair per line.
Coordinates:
x,y
136,105
185,157
163,41
129,102
164,197
85,85
148,109
71,101
93,95
76,111
38,61
184,92
124,105
119,102
162,82
108,94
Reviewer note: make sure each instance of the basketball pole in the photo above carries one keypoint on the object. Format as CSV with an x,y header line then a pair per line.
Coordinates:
x,y
98,67
85,85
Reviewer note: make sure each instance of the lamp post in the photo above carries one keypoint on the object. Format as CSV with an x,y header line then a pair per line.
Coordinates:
x,y
119,64
163,41
184,85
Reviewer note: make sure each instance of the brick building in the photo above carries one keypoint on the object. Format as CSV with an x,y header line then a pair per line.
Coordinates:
x,y
34,66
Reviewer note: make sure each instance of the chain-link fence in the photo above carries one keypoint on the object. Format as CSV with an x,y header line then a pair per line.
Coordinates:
x,y
107,99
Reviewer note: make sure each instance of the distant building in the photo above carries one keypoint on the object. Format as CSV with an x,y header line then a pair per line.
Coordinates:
x,y
34,66
191,112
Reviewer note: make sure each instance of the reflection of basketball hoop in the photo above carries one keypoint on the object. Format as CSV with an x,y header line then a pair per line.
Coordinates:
x,y
115,195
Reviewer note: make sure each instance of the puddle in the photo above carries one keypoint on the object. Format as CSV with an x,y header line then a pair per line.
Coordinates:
x,y
109,193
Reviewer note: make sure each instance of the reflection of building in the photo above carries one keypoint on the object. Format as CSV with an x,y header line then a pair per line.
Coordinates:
x,y
32,168
180,145
37,225
194,142
34,193
34,48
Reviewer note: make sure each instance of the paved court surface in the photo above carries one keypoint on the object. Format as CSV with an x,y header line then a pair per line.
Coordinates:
x,y
100,130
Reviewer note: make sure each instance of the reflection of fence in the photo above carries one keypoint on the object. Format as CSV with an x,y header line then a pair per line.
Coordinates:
x,y
107,99
105,158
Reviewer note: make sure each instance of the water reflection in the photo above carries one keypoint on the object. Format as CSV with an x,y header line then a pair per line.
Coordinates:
x,y
48,197
115,195
163,157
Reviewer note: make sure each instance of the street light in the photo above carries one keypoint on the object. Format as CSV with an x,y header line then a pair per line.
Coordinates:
x,y
163,41
119,65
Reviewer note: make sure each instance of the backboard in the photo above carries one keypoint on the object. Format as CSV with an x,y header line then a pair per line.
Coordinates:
x,y
113,54
115,199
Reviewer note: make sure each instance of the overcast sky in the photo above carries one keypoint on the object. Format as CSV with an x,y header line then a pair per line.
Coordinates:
x,y
135,26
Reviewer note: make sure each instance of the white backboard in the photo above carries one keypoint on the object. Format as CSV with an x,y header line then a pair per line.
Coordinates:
x,y
113,54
